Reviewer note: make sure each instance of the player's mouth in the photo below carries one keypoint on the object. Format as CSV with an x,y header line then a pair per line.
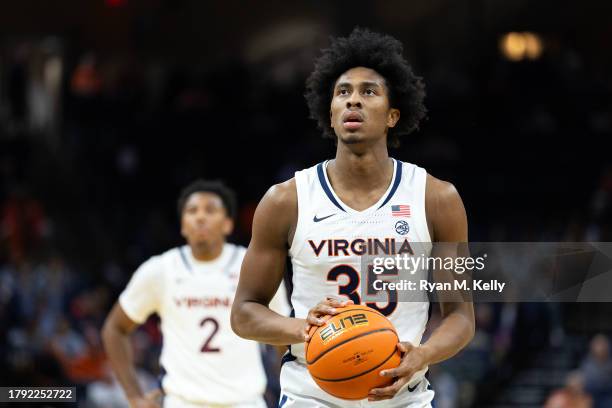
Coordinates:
x,y
201,229
352,120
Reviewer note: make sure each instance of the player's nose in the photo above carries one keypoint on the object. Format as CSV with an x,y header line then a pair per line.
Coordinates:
x,y
354,100
201,216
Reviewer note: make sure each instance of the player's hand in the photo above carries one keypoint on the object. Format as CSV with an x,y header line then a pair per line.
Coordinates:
x,y
413,360
318,315
150,400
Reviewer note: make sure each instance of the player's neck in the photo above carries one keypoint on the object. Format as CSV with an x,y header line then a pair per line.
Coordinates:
x,y
206,252
356,169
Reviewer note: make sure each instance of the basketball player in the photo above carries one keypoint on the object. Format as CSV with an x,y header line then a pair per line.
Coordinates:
x,y
364,94
191,288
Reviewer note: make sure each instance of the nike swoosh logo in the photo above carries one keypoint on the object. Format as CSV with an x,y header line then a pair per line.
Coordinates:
x,y
315,219
411,389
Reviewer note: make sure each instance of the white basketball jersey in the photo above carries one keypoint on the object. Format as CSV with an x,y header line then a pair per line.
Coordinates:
x,y
204,361
331,238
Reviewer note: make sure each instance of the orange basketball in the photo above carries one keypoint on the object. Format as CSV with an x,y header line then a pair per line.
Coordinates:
x,y
345,356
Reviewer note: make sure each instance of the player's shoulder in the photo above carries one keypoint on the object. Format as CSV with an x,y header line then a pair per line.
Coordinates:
x,y
276,214
167,257
446,214
439,191
281,196
284,195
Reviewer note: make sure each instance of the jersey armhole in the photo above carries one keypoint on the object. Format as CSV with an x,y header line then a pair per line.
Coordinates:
x,y
301,188
423,173
167,275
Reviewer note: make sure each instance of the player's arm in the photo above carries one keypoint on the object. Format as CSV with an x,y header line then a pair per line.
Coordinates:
x,y
262,271
140,298
448,224
116,337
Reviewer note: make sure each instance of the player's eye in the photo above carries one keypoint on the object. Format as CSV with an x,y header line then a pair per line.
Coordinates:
x,y
370,92
343,91
212,209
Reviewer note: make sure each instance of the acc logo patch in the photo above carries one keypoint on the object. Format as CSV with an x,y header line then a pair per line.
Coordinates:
x,y
402,227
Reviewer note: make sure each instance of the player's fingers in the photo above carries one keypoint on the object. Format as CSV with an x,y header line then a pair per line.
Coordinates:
x,y
323,309
326,309
399,371
318,315
326,318
307,332
338,302
314,320
374,399
404,347
378,394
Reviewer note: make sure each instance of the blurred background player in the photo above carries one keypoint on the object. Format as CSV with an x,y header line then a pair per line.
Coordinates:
x,y
363,93
191,288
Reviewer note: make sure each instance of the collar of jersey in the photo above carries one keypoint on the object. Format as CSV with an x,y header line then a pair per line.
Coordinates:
x,y
220,264
384,199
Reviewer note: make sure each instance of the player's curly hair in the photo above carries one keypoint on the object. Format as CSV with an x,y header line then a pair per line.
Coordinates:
x,y
227,195
383,54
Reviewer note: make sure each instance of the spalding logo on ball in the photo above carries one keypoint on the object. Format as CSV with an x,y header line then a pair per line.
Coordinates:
x,y
346,355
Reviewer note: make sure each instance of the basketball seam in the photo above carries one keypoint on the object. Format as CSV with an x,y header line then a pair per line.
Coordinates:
x,y
346,341
356,375
365,309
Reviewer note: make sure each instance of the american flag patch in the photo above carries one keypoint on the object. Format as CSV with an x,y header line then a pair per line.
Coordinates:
x,y
400,210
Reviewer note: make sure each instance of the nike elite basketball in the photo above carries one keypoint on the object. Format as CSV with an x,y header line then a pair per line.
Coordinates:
x,y
346,355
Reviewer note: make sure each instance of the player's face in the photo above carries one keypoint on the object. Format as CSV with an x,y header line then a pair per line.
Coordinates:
x,y
360,108
205,219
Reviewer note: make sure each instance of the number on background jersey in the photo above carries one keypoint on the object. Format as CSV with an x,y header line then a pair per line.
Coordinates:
x,y
350,289
207,348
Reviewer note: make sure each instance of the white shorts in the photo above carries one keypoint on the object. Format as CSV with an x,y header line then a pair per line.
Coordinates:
x,y
298,390
174,401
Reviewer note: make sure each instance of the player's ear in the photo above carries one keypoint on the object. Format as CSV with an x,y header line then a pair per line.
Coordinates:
x,y
392,117
183,234
228,226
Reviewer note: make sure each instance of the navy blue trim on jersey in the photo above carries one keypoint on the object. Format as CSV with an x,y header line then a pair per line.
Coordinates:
x,y
326,188
396,182
185,261
282,401
287,357
288,280
160,378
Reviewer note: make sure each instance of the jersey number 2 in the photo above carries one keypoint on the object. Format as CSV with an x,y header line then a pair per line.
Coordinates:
x,y
207,347
350,289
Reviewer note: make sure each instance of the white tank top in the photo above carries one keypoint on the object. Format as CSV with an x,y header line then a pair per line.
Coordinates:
x,y
204,361
331,238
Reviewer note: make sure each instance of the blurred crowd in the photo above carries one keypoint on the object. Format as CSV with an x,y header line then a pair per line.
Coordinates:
x,y
93,150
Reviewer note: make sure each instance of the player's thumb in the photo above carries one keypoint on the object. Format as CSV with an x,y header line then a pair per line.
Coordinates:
x,y
404,347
